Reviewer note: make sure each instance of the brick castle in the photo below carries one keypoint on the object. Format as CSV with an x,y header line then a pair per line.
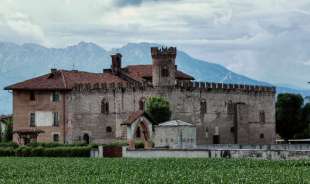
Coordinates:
x,y
75,106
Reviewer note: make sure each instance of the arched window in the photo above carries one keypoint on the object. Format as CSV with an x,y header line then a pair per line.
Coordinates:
x,y
230,107
108,129
262,117
104,106
141,104
165,72
138,132
86,138
207,132
203,106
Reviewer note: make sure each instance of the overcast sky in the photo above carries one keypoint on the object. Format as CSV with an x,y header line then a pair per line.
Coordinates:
x,y
264,39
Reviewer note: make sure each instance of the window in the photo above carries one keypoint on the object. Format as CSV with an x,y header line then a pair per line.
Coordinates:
x,y
261,136
55,119
203,107
141,104
108,129
104,107
230,107
55,137
32,119
165,72
207,133
262,117
32,96
55,96
138,132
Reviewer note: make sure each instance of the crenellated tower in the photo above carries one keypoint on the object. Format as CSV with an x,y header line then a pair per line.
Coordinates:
x,y
164,68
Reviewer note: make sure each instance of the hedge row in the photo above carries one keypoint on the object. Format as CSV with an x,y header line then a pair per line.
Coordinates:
x,y
26,151
8,145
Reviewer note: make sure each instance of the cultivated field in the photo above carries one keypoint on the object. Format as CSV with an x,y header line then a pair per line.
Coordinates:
x,y
86,170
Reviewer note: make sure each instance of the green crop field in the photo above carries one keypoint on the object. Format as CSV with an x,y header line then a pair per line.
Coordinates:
x,y
86,170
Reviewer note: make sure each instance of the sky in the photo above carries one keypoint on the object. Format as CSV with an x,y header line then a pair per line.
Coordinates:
x,y
268,40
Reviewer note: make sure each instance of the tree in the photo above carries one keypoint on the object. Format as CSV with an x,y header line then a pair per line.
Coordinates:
x,y
305,118
158,108
8,132
289,115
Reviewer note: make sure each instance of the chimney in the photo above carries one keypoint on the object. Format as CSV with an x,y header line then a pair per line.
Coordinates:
x,y
116,63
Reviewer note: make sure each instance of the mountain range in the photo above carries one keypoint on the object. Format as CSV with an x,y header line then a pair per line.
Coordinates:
x,y
21,62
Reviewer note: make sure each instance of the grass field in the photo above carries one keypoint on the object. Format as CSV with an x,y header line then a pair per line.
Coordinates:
x,y
86,170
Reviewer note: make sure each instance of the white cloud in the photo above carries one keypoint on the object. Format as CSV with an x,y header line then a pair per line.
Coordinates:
x,y
264,39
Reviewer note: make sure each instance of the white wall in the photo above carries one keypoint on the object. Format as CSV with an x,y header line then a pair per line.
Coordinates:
x,y
44,118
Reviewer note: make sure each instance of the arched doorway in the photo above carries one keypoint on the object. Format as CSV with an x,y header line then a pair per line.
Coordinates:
x,y
86,138
139,127
141,133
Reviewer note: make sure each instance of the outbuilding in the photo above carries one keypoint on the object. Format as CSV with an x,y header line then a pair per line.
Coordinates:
x,y
175,134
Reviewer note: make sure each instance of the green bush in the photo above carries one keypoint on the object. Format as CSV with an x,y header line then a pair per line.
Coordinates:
x,y
8,145
7,151
67,151
53,145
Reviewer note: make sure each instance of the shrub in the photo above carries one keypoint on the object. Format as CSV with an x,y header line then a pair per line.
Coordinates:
x,y
67,151
8,145
158,108
53,145
7,152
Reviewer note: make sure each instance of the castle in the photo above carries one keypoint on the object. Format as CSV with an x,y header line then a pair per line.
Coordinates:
x,y
73,106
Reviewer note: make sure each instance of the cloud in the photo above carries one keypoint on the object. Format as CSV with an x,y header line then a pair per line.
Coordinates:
x,y
264,39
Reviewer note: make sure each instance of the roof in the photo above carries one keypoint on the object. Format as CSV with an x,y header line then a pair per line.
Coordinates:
x,y
28,131
5,117
175,123
66,79
134,116
145,71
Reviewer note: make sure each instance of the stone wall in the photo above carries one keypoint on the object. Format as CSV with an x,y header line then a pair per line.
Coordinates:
x,y
219,153
84,113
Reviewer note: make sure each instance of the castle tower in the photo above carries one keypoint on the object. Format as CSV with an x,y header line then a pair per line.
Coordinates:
x,y
164,68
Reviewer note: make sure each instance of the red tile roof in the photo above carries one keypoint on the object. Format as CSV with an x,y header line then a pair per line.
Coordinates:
x,y
134,116
145,71
65,79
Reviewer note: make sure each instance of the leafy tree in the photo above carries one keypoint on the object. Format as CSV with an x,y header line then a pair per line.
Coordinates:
x,y
305,119
289,115
158,108
8,132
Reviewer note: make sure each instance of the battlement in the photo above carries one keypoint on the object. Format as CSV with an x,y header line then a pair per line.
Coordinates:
x,y
225,87
163,52
184,85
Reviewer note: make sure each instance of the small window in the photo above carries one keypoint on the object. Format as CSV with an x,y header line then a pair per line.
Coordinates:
x,y
262,136
232,129
32,96
203,107
230,107
55,137
262,117
104,107
55,96
165,72
207,133
32,119
141,104
108,129
55,119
